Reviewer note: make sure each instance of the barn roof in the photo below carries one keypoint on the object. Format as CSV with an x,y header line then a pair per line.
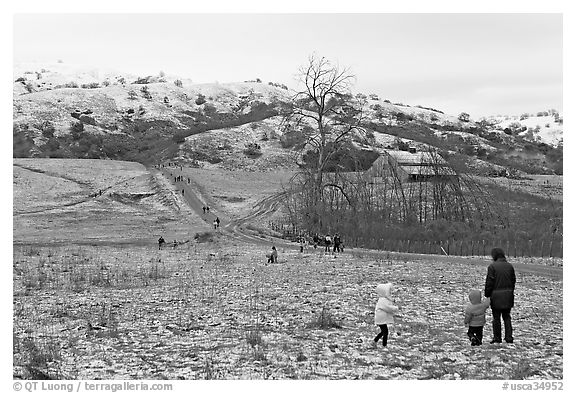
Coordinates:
x,y
417,158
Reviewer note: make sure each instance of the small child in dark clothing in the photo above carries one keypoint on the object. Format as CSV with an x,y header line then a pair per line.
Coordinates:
x,y
475,316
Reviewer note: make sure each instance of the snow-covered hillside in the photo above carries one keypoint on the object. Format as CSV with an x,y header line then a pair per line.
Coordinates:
x,y
544,128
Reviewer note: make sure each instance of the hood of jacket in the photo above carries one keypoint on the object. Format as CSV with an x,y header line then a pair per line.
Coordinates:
x,y
475,296
384,290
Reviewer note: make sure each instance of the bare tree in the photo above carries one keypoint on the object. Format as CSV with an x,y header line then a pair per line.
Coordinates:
x,y
327,114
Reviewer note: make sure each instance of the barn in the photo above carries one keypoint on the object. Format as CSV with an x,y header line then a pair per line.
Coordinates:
x,y
411,166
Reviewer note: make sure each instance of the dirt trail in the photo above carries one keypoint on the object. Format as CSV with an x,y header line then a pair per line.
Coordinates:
x,y
235,228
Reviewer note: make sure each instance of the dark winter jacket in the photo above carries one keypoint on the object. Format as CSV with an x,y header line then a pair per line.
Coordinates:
x,y
500,284
475,313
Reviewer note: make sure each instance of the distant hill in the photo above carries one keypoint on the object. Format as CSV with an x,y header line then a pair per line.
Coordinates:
x,y
73,111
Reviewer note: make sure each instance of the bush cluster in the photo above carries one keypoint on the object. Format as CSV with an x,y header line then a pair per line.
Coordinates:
x,y
252,150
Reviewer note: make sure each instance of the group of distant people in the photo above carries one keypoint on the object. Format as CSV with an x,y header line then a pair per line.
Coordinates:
x,y
331,243
181,178
162,243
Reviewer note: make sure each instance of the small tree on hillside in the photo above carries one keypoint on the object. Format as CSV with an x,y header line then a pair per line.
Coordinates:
x,y
465,117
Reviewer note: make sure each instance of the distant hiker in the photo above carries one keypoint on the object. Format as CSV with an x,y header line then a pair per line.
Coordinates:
x,y
384,312
217,222
161,242
316,240
188,180
182,191
204,209
327,243
100,192
272,255
175,244
301,243
336,243
207,209
475,316
499,287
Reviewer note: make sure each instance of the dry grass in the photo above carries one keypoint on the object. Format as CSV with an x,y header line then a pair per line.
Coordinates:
x,y
216,310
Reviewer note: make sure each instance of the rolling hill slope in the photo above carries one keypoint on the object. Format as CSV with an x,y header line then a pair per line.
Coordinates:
x,y
78,112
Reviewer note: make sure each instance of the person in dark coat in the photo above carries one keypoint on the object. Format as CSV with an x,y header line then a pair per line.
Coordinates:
x,y
500,285
161,242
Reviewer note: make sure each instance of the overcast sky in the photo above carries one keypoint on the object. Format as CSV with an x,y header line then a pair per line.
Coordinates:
x,y
483,64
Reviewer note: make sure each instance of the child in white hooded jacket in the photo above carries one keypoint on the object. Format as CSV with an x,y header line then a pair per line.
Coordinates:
x,y
384,311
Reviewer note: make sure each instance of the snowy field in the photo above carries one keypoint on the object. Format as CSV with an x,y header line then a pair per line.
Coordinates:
x,y
217,311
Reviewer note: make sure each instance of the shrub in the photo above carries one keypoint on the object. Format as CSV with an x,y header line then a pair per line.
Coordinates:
x,y
132,95
178,83
252,150
29,87
71,85
180,137
93,85
209,109
201,99
146,93
142,81
325,320
204,237
22,143
401,116
76,129
465,117
47,129
292,138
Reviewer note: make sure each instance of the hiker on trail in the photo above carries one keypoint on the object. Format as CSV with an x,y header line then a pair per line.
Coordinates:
x,y
188,180
272,256
161,242
100,192
316,240
336,243
301,242
182,191
327,242
384,312
175,244
217,222
499,287
207,209
475,316
204,209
